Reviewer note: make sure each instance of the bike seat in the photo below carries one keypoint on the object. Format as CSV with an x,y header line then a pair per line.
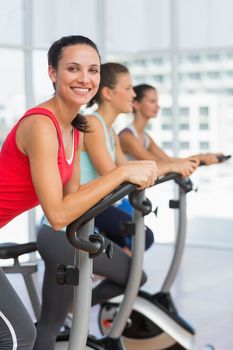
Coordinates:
x,y
14,250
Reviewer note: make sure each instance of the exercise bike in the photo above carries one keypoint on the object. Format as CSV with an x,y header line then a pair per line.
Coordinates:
x,y
87,247
155,322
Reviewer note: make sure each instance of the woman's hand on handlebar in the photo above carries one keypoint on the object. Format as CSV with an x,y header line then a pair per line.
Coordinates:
x,y
183,166
142,172
209,158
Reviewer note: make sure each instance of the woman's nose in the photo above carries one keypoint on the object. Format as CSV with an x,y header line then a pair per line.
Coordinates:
x,y
83,76
133,93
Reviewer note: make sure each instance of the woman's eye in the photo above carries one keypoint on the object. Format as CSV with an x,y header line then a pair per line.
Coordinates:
x,y
72,69
94,70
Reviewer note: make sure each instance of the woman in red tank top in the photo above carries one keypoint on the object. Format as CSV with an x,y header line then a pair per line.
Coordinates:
x,y
39,164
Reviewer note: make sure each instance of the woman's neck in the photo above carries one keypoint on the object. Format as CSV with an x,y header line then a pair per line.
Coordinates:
x,y
63,113
140,123
108,114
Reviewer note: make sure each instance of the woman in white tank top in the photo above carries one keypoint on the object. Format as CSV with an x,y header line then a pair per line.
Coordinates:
x,y
138,144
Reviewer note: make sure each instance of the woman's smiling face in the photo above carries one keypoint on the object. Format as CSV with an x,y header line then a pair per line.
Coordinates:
x,y
77,76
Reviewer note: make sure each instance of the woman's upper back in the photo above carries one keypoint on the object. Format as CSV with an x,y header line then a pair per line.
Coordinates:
x,y
88,171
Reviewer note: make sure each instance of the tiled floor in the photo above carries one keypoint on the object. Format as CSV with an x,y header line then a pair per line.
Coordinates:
x,y
203,291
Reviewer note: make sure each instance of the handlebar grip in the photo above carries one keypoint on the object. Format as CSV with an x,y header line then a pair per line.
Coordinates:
x,y
222,158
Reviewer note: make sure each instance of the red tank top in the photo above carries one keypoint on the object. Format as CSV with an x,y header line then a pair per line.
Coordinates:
x,y
17,193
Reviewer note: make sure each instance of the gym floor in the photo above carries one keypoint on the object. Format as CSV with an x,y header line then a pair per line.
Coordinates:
x,y
202,291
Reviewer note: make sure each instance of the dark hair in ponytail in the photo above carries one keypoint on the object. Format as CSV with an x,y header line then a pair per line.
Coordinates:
x,y
80,123
140,91
108,77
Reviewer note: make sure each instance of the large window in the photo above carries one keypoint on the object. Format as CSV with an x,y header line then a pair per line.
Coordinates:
x,y
12,96
12,106
42,85
205,124
11,22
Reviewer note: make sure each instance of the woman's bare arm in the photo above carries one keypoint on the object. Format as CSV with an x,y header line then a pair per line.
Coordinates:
x,y
40,144
166,164
130,145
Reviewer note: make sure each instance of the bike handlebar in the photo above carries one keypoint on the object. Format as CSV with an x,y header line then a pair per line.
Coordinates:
x,y
119,193
221,158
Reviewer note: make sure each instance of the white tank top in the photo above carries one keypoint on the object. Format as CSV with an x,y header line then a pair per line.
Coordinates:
x,y
133,130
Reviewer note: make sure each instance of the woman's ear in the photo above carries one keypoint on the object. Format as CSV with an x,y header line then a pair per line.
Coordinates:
x,y
136,105
52,74
106,93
